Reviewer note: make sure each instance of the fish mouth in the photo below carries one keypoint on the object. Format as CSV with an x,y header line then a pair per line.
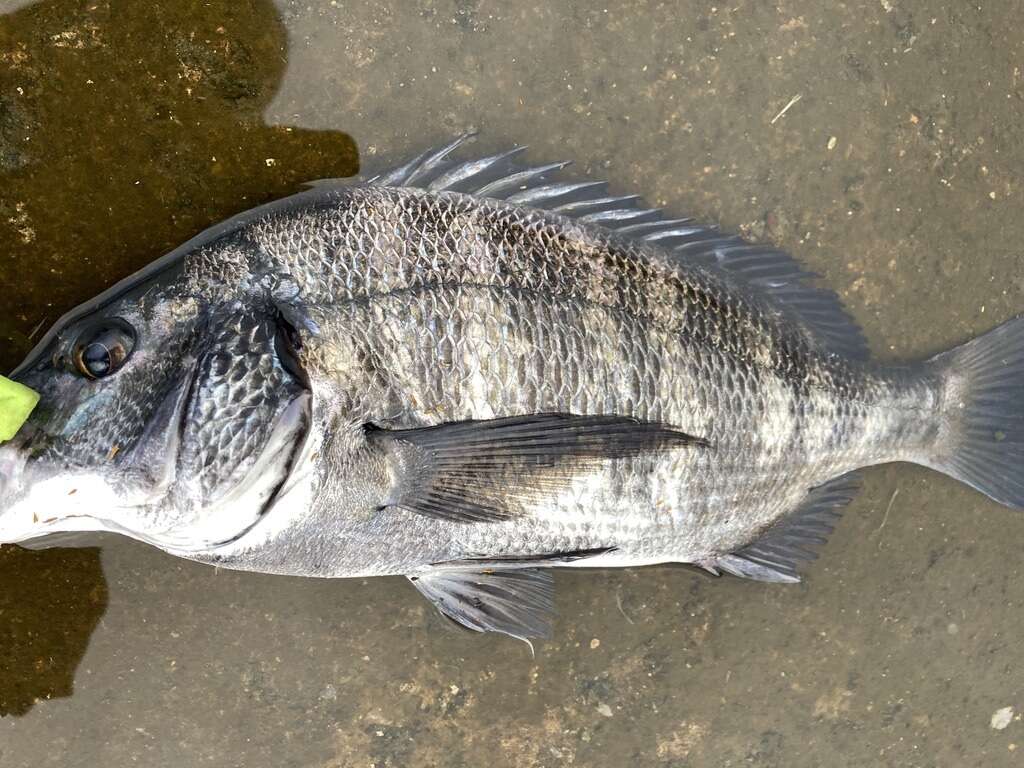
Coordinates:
x,y
116,495
105,497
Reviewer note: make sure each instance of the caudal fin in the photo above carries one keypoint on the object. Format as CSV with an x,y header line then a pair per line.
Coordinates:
x,y
982,437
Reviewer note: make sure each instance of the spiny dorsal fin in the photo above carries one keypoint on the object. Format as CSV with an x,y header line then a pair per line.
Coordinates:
x,y
780,551
683,241
490,470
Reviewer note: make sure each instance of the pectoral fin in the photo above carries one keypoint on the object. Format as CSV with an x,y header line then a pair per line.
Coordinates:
x,y
483,471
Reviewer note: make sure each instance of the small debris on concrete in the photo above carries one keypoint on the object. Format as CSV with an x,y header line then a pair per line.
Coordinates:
x,y
1002,718
785,109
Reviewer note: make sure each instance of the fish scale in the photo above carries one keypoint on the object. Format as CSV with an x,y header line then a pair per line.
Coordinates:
x,y
540,277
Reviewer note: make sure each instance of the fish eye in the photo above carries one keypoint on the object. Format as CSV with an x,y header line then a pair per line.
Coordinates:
x,y
102,349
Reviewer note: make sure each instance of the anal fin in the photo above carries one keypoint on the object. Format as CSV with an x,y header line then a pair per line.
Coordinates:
x,y
778,554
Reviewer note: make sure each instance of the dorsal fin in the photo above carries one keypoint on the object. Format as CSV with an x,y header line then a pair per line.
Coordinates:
x,y
780,551
765,269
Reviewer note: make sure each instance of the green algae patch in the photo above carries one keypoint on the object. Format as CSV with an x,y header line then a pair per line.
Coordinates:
x,y
16,403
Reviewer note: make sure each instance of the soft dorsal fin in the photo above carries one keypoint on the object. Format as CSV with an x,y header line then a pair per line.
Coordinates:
x,y
771,272
780,551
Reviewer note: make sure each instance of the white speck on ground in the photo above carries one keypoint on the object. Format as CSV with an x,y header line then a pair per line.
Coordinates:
x,y
329,693
1002,718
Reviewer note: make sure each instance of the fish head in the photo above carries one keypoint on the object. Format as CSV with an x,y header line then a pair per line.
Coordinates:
x,y
167,413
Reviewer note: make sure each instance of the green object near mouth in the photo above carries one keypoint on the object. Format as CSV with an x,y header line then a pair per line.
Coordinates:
x,y
16,403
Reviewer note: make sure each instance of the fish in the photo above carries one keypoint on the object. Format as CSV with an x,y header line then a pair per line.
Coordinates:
x,y
470,370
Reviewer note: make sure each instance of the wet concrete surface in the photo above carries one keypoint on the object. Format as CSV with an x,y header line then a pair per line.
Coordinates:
x,y
895,175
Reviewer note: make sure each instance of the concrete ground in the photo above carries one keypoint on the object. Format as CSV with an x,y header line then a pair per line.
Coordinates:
x,y
880,142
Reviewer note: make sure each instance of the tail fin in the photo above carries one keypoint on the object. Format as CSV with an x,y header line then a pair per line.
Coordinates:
x,y
982,439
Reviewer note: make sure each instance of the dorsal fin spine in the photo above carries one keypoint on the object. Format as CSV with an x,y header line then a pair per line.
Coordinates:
x,y
684,242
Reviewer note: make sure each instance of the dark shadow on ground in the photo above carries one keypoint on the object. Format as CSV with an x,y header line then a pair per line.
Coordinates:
x,y
125,128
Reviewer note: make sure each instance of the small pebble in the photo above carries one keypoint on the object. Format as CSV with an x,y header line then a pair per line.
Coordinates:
x,y
832,141
595,643
1002,718
604,709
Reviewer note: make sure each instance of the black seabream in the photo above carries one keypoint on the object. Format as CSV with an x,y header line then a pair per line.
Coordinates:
x,y
471,371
